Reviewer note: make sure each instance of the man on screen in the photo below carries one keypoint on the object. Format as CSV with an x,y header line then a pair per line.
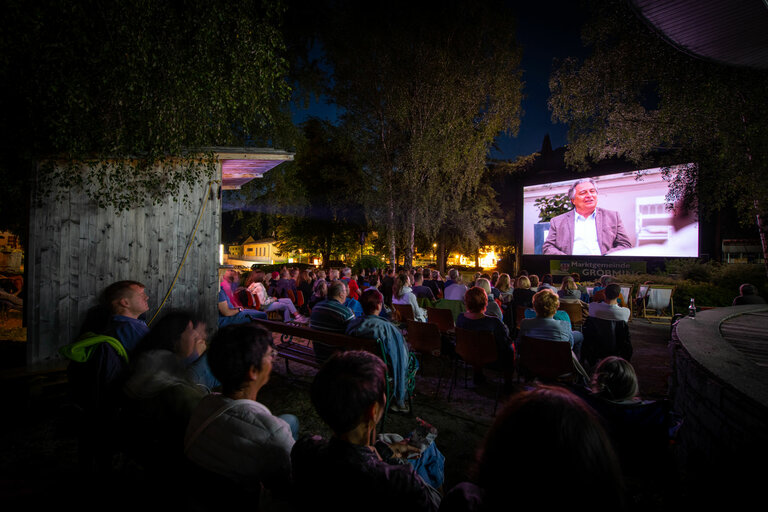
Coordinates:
x,y
587,229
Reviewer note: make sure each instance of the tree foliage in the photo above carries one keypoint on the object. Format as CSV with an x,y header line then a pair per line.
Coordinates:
x,y
314,203
426,87
639,98
147,84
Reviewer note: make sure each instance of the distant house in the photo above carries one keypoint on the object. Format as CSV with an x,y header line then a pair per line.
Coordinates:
x,y
76,249
250,251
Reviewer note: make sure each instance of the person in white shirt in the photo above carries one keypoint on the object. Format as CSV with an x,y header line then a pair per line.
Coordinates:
x,y
610,309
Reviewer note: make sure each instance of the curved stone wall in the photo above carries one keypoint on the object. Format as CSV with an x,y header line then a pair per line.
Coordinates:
x,y
723,397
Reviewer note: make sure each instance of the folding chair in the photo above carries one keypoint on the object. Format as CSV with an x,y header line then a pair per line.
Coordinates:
x,y
289,293
658,303
626,293
426,342
404,311
548,360
478,350
442,317
575,312
299,298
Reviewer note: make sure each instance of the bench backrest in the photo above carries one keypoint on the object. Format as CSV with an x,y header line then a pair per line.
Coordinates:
x,y
333,339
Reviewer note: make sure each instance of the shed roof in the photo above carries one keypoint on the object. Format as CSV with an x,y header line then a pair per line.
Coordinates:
x,y
241,165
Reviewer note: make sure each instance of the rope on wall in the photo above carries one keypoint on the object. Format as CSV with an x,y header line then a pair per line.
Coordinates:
x,y
207,197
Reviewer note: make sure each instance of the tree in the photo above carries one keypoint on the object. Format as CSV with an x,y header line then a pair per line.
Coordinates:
x,y
137,90
638,98
425,87
313,203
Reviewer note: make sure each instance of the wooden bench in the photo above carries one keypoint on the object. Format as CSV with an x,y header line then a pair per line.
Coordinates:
x,y
304,353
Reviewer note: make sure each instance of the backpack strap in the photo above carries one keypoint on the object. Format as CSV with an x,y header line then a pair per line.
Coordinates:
x,y
81,350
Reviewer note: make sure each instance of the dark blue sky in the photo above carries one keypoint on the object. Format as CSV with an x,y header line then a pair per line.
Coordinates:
x,y
546,31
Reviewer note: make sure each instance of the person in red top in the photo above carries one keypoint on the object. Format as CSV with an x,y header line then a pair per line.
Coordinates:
x,y
354,289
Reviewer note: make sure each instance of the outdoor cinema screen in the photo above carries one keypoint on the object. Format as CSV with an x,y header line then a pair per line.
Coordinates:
x,y
623,214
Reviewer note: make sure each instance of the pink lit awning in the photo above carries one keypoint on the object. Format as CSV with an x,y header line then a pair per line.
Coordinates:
x,y
239,166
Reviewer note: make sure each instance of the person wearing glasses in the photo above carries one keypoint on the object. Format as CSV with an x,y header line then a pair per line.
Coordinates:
x,y
230,433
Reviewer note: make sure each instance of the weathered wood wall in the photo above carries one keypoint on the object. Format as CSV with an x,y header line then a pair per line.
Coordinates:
x,y
77,249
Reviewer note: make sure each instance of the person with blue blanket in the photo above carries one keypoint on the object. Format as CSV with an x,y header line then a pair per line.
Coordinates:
x,y
373,325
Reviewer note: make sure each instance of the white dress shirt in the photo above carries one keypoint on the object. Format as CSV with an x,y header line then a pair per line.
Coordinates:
x,y
585,235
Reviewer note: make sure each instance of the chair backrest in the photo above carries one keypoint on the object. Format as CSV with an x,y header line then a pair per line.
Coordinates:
x,y
477,348
544,359
626,292
575,312
442,317
604,338
404,311
456,307
519,315
659,296
289,293
423,337
299,298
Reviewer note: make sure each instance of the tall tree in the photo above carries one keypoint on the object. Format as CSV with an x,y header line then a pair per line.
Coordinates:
x,y
426,87
314,203
135,88
637,97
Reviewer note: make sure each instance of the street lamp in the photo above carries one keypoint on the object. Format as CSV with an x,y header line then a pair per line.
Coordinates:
x,y
362,242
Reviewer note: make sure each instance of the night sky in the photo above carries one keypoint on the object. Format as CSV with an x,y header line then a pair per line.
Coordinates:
x,y
546,30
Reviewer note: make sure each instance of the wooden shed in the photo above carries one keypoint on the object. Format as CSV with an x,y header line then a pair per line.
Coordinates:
x,y
76,249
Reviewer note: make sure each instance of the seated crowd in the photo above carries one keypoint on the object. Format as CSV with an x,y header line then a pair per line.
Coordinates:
x,y
180,402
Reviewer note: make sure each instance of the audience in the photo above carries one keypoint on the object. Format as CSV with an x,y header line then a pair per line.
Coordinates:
x,y
748,295
544,326
372,325
352,303
475,318
160,393
355,469
454,288
255,285
402,294
319,293
546,450
230,312
230,433
504,285
609,309
568,290
522,295
492,309
614,379
420,289
330,315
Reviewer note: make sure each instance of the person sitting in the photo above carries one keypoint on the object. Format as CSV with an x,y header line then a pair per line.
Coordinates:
x,y
504,285
160,392
534,279
98,366
475,319
331,314
387,285
283,285
544,326
609,309
568,290
346,276
456,289
614,379
229,311
255,285
354,466
319,293
747,295
522,295
568,456
547,283
402,294
492,308
231,434
420,290
352,303
304,285
372,325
